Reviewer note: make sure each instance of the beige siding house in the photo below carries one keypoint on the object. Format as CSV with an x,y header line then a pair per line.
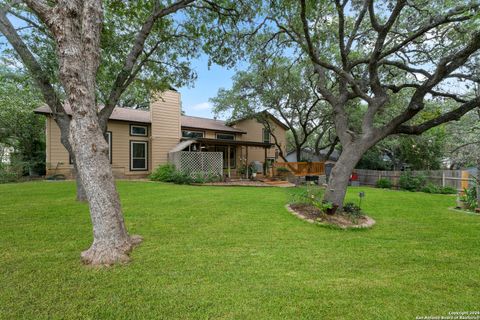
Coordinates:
x,y
141,140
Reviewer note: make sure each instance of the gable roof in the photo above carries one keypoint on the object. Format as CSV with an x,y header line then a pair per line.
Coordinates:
x,y
209,124
265,112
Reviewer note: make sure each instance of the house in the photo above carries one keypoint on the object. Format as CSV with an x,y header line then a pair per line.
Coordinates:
x,y
141,140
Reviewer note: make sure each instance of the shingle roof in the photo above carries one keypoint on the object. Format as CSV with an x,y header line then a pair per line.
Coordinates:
x,y
133,115
209,124
122,114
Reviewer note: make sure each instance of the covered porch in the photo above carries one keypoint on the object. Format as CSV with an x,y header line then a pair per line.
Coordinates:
x,y
237,154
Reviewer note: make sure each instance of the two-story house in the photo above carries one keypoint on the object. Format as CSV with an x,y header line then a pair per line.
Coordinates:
x,y
141,140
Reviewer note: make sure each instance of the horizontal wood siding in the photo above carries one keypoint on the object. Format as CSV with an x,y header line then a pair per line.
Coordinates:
x,y
165,114
57,154
255,133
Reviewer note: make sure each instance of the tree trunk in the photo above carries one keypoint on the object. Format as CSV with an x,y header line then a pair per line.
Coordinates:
x,y
78,46
298,149
81,193
340,175
111,242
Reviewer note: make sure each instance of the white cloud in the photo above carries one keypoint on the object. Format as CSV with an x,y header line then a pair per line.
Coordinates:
x,y
202,106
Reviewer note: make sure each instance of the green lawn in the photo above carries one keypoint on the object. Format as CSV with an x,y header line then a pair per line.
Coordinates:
x,y
222,253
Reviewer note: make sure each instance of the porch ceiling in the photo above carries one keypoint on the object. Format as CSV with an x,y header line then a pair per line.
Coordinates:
x,y
231,142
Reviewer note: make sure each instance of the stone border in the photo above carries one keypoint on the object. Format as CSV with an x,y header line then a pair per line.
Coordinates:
x,y
368,224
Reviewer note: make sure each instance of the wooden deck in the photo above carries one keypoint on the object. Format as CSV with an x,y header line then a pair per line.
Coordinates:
x,y
302,169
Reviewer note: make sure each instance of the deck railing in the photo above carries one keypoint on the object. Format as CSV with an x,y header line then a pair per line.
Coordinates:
x,y
302,169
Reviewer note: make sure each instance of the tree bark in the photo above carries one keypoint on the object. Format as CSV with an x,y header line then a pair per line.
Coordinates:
x,y
340,175
81,193
76,26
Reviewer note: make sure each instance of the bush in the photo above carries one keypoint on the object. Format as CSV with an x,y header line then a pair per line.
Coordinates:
x,y
163,173
168,173
10,173
432,188
411,183
282,170
311,194
352,209
470,198
384,183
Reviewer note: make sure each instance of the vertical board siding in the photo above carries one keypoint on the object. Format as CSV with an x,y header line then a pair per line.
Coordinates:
x,y
166,129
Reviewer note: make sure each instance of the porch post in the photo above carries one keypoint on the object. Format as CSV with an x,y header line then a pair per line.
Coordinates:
x,y
228,160
265,163
246,158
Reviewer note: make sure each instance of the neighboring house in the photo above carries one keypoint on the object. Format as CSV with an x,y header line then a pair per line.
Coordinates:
x,y
141,140
308,154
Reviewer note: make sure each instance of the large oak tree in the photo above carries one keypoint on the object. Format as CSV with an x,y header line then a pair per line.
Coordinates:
x,y
369,55
75,28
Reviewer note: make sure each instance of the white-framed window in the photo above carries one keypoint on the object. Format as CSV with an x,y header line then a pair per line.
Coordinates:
x,y
266,135
138,155
192,134
138,130
225,136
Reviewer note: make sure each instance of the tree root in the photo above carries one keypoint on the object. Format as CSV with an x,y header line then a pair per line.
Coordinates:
x,y
102,254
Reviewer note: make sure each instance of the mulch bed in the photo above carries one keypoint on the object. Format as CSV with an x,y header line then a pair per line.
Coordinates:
x,y
339,219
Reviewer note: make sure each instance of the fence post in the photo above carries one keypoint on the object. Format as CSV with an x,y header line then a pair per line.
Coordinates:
x,y
443,179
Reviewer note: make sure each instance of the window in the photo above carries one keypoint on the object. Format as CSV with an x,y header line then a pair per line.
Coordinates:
x,y
225,136
233,154
136,130
192,134
138,155
266,135
109,140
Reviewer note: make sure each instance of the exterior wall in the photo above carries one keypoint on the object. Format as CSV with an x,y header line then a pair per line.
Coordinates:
x,y
165,114
58,160
254,131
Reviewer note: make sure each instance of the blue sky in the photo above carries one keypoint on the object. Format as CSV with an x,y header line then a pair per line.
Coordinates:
x,y
195,100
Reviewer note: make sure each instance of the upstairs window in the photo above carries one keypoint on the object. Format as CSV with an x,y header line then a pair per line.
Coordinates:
x,y
140,131
266,135
192,134
225,136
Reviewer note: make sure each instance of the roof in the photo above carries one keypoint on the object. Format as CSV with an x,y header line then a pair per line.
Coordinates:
x,y
135,115
265,112
121,114
230,142
209,124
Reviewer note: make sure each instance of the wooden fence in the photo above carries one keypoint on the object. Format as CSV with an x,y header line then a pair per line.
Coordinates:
x,y
458,179
301,169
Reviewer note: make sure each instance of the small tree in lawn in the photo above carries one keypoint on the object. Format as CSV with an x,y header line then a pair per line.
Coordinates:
x,y
370,55
75,30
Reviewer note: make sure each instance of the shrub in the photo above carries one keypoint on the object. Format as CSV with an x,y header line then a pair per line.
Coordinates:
x,y
163,173
431,188
10,173
384,183
168,173
470,198
282,170
352,209
310,194
448,190
411,183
